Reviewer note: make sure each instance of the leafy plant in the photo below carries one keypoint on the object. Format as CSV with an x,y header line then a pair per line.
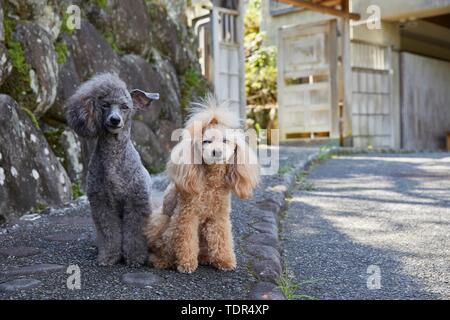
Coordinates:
x,y
39,207
61,52
156,169
260,64
76,190
17,84
33,118
290,289
192,83
284,169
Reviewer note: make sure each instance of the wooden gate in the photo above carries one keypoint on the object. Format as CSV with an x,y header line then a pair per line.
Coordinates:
x,y
372,112
307,89
228,57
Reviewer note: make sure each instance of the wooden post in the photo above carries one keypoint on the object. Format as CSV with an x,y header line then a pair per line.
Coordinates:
x,y
448,141
346,67
240,41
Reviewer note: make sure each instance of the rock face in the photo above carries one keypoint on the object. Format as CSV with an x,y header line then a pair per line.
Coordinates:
x,y
43,74
43,61
135,37
30,175
5,63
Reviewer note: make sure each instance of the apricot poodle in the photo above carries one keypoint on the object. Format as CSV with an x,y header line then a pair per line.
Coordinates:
x,y
211,161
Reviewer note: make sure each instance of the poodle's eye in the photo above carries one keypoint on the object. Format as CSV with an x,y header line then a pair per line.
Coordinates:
x,y
226,141
106,105
124,107
207,141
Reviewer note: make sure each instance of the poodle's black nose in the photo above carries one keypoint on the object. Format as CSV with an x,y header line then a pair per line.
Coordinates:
x,y
217,153
114,120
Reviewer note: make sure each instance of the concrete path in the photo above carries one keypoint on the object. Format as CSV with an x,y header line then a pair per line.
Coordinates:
x,y
38,257
372,227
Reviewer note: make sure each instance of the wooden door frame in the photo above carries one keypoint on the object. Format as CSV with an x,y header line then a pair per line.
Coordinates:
x,y
331,24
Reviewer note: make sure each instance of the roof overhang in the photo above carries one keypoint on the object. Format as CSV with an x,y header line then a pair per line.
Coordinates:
x,y
338,8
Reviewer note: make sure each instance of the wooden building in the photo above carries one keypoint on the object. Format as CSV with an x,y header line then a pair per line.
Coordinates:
x,y
375,73
219,27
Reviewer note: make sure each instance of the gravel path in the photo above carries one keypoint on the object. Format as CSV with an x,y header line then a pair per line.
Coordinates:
x,y
360,216
65,237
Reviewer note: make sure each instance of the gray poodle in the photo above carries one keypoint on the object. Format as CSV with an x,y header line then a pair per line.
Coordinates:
x,y
118,186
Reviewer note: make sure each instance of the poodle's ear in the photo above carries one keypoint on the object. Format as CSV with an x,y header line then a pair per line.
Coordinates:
x,y
244,173
83,116
142,99
185,166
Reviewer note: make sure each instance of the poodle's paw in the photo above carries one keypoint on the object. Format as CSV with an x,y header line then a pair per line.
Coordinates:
x,y
134,263
105,261
159,263
225,264
203,260
187,267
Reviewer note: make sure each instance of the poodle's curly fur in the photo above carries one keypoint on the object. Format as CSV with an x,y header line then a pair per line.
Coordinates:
x,y
193,226
118,186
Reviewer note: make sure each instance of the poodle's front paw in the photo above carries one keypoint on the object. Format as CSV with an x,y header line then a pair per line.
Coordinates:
x,y
225,264
135,261
203,259
187,267
108,260
158,262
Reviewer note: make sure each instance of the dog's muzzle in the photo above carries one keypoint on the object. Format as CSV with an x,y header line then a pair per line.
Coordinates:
x,y
114,121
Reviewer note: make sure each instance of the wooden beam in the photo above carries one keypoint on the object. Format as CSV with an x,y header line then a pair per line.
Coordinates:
x,y
322,9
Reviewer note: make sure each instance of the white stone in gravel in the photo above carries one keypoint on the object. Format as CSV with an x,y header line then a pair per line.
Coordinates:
x,y
33,269
19,251
141,279
30,217
19,284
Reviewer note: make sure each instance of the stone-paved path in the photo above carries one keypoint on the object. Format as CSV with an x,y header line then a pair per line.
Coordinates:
x,y
35,256
390,212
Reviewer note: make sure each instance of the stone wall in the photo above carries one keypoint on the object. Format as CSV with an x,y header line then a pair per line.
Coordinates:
x,y
43,61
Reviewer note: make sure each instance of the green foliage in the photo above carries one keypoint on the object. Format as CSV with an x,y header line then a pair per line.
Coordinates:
x,y
109,37
192,84
156,169
15,49
32,117
39,207
103,4
17,56
284,169
52,135
18,84
290,289
260,64
76,190
61,52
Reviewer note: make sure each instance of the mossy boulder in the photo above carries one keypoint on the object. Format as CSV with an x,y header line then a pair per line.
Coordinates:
x,y
35,68
68,82
130,25
91,52
43,61
5,63
30,174
170,38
